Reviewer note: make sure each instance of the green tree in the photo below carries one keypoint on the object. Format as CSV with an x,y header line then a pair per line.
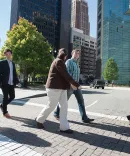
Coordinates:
x,y
1,56
2,53
31,51
111,70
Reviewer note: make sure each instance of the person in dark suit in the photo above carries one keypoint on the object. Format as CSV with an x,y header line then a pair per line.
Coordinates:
x,y
8,80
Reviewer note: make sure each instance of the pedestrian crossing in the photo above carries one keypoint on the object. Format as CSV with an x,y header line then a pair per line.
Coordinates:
x,y
9,147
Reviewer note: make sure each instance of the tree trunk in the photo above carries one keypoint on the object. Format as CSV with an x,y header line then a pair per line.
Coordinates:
x,y
112,83
25,79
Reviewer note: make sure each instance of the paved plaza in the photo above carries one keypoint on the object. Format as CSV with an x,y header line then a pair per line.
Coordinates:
x,y
108,135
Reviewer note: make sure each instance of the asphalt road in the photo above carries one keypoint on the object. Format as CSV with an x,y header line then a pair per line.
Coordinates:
x,y
109,101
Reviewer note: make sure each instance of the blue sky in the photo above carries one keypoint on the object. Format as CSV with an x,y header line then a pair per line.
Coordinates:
x,y
5,8
92,4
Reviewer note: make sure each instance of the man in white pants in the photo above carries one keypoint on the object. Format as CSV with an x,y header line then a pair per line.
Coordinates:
x,y
55,96
57,84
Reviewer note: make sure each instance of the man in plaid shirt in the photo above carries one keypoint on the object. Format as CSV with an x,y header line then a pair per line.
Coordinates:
x,y
74,71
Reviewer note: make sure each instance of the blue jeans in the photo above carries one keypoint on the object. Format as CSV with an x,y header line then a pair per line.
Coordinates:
x,y
80,101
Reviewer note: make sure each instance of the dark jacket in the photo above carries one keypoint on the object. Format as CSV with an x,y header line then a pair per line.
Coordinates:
x,y
58,77
5,71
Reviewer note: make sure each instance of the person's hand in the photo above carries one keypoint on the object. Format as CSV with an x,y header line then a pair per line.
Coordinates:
x,y
73,87
79,87
19,85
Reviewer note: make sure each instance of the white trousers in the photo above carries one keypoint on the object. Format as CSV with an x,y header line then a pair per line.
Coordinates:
x,y
55,96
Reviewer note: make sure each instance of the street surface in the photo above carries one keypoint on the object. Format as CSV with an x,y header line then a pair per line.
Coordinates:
x,y
109,101
108,135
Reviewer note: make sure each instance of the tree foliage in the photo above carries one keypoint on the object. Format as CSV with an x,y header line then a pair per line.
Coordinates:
x,y
2,53
31,51
111,70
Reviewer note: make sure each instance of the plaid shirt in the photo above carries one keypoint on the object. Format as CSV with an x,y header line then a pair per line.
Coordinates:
x,y
73,69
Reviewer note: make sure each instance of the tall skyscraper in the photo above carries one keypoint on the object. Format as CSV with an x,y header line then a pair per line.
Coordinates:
x,y
79,16
52,18
113,37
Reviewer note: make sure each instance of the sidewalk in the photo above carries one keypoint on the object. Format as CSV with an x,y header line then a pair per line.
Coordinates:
x,y
114,88
105,137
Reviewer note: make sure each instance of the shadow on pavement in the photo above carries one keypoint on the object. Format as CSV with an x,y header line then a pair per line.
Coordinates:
x,y
45,94
92,92
106,142
33,96
24,137
125,131
23,102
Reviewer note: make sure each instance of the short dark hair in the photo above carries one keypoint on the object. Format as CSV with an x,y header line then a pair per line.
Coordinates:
x,y
63,50
7,50
62,53
75,51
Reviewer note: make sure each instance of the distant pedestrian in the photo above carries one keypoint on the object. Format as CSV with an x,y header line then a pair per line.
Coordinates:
x,y
57,84
8,80
74,71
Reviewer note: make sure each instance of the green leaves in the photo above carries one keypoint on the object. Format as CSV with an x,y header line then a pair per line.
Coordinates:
x,y
111,70
30,49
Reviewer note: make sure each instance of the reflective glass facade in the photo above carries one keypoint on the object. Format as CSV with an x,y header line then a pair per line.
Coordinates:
x,y
115,36
45,14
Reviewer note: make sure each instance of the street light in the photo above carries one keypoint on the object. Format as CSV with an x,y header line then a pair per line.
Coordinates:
x,y
54,53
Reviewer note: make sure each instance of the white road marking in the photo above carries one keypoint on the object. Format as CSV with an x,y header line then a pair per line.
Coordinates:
x,y
92,104
77,111
7,150
107,116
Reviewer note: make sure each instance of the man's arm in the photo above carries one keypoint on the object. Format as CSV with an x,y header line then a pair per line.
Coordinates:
x,y
63,71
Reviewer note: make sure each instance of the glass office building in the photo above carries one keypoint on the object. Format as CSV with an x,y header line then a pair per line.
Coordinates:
x,y
47,15
113,36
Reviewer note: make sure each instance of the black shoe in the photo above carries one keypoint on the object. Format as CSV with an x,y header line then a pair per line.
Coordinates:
x,y
69,131
128,117
88,120
40,125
